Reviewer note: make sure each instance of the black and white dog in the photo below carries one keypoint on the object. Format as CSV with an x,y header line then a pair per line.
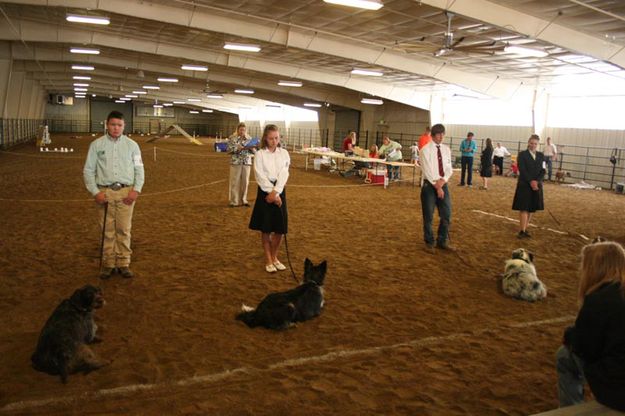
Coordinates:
x,y
62,347
283,309
519,278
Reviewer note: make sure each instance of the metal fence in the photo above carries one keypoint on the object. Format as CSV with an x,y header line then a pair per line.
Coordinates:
x,y
600,166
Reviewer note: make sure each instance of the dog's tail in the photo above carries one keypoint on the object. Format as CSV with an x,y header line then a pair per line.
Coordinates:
x,y
247,316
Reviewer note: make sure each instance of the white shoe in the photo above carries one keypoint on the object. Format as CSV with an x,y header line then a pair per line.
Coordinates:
x,y
279,266
270,268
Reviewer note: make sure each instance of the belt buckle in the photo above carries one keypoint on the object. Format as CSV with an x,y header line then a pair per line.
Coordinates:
x,y
116,186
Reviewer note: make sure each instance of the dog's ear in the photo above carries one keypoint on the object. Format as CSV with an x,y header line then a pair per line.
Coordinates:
x,y
323,266
307,265
529,253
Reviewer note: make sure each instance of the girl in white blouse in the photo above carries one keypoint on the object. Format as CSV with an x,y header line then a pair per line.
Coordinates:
x,y
270,217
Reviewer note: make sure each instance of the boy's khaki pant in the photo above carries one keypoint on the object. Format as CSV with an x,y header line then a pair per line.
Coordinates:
x,y
117,249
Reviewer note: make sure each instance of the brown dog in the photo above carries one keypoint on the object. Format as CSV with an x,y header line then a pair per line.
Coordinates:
x,y
561,174
62,347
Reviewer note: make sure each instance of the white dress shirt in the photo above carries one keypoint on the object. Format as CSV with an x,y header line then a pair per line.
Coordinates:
x,y
270,167
428,158
500,152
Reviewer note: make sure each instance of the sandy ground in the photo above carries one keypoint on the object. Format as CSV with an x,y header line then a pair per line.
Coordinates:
x,y
403,332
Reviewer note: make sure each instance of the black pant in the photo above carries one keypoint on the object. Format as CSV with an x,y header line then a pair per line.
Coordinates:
x,y
467,165
498,161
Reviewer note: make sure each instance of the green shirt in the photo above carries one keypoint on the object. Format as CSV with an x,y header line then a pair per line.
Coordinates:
x,y
392,151
110,161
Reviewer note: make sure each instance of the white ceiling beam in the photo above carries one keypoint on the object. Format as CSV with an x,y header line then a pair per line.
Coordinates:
x,y
38,32
535,28
307,93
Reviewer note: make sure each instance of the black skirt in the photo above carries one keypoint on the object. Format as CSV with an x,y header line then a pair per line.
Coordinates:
x,y
526,199
486,170
269,218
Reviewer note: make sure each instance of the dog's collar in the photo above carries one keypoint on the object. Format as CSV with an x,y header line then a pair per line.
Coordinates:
x,y
78,308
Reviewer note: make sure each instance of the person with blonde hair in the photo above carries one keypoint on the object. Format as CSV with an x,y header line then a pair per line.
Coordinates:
x,y
594,348
270,217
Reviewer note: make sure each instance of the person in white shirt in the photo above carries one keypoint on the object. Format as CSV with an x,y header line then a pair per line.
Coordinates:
x,y
270,217
435,160
498,155
551,155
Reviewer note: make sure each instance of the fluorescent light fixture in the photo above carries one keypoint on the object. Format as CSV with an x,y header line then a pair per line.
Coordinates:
x,y
373,101
207,110
83,67
367,72
361,4
241,47
94,20
120,101
194,68
81,77
179,102
132,96
167,104
151,87
273,105
290,83
316,105
140,92
80,89
80,85
125,99
519,50
214,96
85,51
242,91
167,79
193,112
79,96
93,95
157,106
193,100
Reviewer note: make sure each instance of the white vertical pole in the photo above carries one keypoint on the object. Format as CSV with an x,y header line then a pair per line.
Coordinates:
x,y
155,153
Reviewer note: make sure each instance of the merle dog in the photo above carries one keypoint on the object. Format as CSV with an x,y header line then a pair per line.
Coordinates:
x,y
62,349
283,309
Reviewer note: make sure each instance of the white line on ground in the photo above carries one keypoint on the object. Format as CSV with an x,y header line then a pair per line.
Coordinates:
x,y
293,362
531,225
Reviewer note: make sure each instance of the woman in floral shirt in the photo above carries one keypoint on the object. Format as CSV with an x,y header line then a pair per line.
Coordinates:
x,y
240,165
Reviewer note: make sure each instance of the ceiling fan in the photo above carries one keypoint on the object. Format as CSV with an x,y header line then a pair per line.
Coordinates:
x,y
450,46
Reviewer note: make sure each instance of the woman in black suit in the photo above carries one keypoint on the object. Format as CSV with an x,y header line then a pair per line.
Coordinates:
x,y
528,197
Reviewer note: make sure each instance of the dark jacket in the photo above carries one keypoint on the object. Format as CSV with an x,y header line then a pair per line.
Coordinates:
x,y
598,338
530,169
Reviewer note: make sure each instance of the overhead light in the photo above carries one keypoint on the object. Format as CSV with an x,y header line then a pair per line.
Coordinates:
x,y
140,92
132,96
273,105
214,96
194,68
125,99
207,110
94,20
85,51
167,80
316,105
441,52
373,101
194,112
157,106
179,102
367,72
519,50
80,89
361,4
290,83
79,96
120,101
78,93
80,85
167,104
242,47
240,91
193,100
81,77
151,87
83,67
93,95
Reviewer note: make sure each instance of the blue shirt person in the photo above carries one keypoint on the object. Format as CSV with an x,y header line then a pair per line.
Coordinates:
x,y
468,147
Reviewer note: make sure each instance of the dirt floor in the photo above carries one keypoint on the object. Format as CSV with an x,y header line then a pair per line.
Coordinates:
x,y
403,331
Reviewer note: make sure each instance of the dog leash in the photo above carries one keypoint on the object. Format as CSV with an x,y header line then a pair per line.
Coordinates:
x,y
286,246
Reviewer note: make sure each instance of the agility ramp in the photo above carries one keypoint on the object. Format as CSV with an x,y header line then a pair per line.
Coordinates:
x,y
180,130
